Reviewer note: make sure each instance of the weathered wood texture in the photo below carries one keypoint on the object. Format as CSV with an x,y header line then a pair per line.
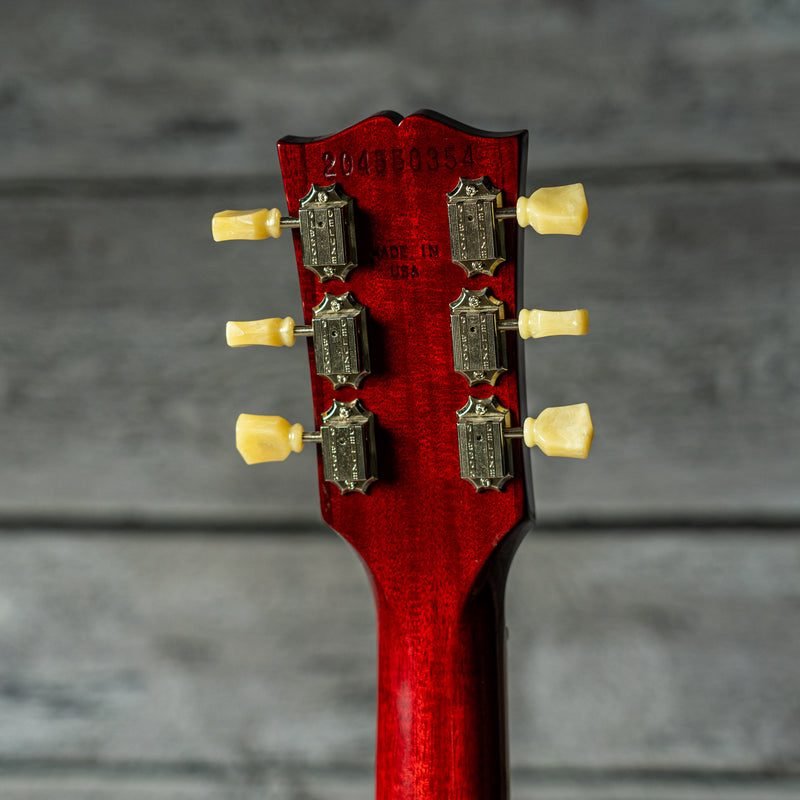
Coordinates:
x,y
646,652
119,394
118,785
652,665
160,88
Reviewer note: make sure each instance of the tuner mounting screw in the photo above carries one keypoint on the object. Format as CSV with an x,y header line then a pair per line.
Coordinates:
x,y
344,412
471,190
481,410
485,482
474,301
341,378
322,197
336,305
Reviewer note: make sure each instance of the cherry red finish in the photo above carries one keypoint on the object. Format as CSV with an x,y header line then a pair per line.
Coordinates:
x,y
437,551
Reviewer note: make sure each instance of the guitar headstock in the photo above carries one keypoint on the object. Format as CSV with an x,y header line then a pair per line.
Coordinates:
x,y
410,268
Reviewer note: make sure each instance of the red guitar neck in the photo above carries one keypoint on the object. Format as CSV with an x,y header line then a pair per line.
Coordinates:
x,y
441,689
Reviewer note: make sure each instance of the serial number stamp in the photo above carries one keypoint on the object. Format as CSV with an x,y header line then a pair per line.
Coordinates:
x,y
395,161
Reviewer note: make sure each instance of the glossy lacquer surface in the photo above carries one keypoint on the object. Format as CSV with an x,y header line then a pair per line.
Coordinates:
x,y
436,550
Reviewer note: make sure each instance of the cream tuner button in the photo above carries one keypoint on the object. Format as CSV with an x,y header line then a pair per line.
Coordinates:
x,y
274,332
260,223
555,209
535,324
261,438
561,431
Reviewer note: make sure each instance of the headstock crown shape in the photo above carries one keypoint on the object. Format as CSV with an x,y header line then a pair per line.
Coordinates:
x,y
410,276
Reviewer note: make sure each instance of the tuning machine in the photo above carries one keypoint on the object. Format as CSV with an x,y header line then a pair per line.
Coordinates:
x,y
326,220
474,209
346,436
339,331
485,435
478,327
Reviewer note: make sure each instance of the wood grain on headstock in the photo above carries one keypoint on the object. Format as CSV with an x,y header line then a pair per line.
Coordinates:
x,y
436,550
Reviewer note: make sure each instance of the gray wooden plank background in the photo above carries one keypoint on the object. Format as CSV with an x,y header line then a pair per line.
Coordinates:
x,y
173,88
646,652
150,645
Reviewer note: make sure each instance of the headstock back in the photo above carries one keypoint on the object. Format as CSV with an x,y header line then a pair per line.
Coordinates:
x,y
419,513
